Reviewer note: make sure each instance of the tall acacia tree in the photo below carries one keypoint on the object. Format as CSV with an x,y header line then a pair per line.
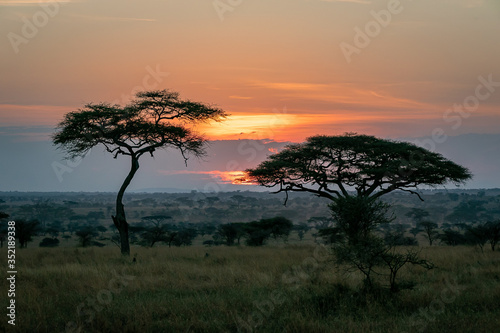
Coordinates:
x,y
154,120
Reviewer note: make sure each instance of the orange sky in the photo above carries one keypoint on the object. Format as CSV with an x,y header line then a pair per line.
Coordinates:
x,y
276,66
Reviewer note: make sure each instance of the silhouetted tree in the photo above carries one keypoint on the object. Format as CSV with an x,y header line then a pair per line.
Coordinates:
x,y
158,230
256,235
171,236
184,236
228,233
101,229
357,216
25,230
85,236
330,165
320,222
477,235
395,236
49,242
417,214
452,237
3,228
493,230
415,231
302,229
52,231
279,227
206,229
395,260
153,120
45,211
467,212
331,235
430,230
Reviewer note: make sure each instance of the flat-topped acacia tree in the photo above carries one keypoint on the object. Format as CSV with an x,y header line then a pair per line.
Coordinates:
x,y
330,166
354,171
154,120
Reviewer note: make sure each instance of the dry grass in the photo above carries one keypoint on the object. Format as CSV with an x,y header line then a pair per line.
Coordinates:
x,y
268,289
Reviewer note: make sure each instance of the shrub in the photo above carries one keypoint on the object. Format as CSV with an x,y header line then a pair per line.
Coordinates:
x,y
49,242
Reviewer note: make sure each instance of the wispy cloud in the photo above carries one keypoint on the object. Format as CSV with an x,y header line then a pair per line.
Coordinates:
x,y
239,97
225,177
339,95
114,18
364,2
472,3
32,2
19,115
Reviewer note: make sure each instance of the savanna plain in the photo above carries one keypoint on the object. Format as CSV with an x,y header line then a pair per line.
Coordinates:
x,y
276,288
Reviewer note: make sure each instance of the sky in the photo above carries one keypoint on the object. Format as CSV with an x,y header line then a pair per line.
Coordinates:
x,y
283,69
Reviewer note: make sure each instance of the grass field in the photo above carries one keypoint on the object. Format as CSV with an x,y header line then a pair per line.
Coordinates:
x,y
292,288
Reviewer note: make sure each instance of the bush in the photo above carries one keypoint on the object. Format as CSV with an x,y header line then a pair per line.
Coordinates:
x,y
49,242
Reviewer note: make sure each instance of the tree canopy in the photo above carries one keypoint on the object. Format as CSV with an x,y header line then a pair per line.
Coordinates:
x,y
154,120
330,166
354,171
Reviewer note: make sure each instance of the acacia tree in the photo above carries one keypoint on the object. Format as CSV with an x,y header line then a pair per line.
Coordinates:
x,y
329,166
158,231
353,171
430,230
153,120
25,230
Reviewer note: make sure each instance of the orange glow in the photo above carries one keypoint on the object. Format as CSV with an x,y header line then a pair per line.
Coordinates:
x,y
273,150
249,126
224,177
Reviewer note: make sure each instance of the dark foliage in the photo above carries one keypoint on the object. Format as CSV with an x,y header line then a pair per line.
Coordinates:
x,y
49,242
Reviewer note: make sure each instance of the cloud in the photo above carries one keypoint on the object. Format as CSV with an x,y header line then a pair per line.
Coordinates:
x,y
32,2
113,18
239,97
472,3
20,115
364,2
225,177
341,95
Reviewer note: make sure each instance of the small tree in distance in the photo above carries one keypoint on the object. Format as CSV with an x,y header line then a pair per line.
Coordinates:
x,y
85,236
25,230
430,230
154,120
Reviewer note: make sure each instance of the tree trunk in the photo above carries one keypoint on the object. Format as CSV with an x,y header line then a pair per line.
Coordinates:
x,y
120,220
